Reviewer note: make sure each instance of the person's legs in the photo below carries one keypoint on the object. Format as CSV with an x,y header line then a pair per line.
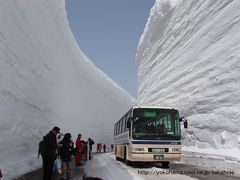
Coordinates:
x,y
51,164
69,171
63,168
48,163
78,159
44,168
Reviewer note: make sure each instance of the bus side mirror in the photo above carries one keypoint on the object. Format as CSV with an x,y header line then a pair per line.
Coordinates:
x,y
181,119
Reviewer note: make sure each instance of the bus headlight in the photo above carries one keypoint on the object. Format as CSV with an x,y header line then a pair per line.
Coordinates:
x,y
176,149
137,149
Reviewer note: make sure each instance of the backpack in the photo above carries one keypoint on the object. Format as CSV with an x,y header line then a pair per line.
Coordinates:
x,y
41,148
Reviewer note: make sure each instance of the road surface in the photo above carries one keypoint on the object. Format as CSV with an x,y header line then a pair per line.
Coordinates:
x,y
104,166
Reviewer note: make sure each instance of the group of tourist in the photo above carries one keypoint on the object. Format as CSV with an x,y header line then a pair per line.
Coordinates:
x,y
104,147
50,149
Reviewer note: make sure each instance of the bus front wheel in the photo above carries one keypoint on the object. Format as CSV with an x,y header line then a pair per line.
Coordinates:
x,y
127,162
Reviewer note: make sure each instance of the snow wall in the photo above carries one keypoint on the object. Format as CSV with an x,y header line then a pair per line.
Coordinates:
x,y
46,81
189,57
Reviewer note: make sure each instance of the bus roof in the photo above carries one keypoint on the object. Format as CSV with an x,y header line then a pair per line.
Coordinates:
x,y
153,106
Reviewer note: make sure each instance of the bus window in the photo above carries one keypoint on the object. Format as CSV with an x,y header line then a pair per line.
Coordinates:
x,y
123,124
118,128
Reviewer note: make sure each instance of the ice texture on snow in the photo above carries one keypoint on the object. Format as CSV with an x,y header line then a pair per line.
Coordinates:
x,y
46,80
189,57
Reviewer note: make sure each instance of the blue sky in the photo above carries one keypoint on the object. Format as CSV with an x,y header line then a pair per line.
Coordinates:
x,y
108,32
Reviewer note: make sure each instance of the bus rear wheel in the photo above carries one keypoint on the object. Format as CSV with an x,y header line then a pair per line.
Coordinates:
x,y
165,164
117,158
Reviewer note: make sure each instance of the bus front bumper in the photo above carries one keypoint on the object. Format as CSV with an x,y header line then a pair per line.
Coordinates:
x,y
150,157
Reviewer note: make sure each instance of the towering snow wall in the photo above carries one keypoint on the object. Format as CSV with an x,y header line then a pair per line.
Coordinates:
x,y
189,57
46,80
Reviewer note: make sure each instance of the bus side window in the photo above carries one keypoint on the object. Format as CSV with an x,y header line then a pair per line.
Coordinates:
x,y
128,119
125,123
120,126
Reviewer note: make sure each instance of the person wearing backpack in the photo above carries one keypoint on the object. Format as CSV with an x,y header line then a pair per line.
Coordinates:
x,y
49,153
40,148
90,144
66,153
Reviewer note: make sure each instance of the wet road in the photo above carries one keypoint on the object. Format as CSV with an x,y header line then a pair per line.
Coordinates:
x,y
179,171
77,173
104,166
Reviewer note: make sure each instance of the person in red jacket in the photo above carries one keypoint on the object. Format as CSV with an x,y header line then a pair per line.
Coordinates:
x,y
79,150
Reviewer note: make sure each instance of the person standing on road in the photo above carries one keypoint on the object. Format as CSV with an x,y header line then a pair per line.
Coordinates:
x,y
66,153
90,144
1,174
78,150
100,147
112,147
49,154
104,148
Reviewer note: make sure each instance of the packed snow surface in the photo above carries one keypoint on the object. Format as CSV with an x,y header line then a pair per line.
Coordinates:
x,y
189,57
46,81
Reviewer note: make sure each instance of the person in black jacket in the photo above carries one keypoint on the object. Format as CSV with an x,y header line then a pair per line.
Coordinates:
x,y
49,155
90,143
66,153
104,148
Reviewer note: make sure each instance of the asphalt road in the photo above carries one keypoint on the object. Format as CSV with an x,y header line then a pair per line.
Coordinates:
x,y
104,166
77,172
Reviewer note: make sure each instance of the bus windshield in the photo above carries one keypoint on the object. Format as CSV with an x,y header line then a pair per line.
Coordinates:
x,y
156,124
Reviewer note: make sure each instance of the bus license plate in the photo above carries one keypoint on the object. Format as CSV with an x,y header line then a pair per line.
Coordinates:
x,y
158,157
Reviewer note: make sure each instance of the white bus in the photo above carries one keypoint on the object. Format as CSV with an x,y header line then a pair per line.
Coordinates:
x,y
148,134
